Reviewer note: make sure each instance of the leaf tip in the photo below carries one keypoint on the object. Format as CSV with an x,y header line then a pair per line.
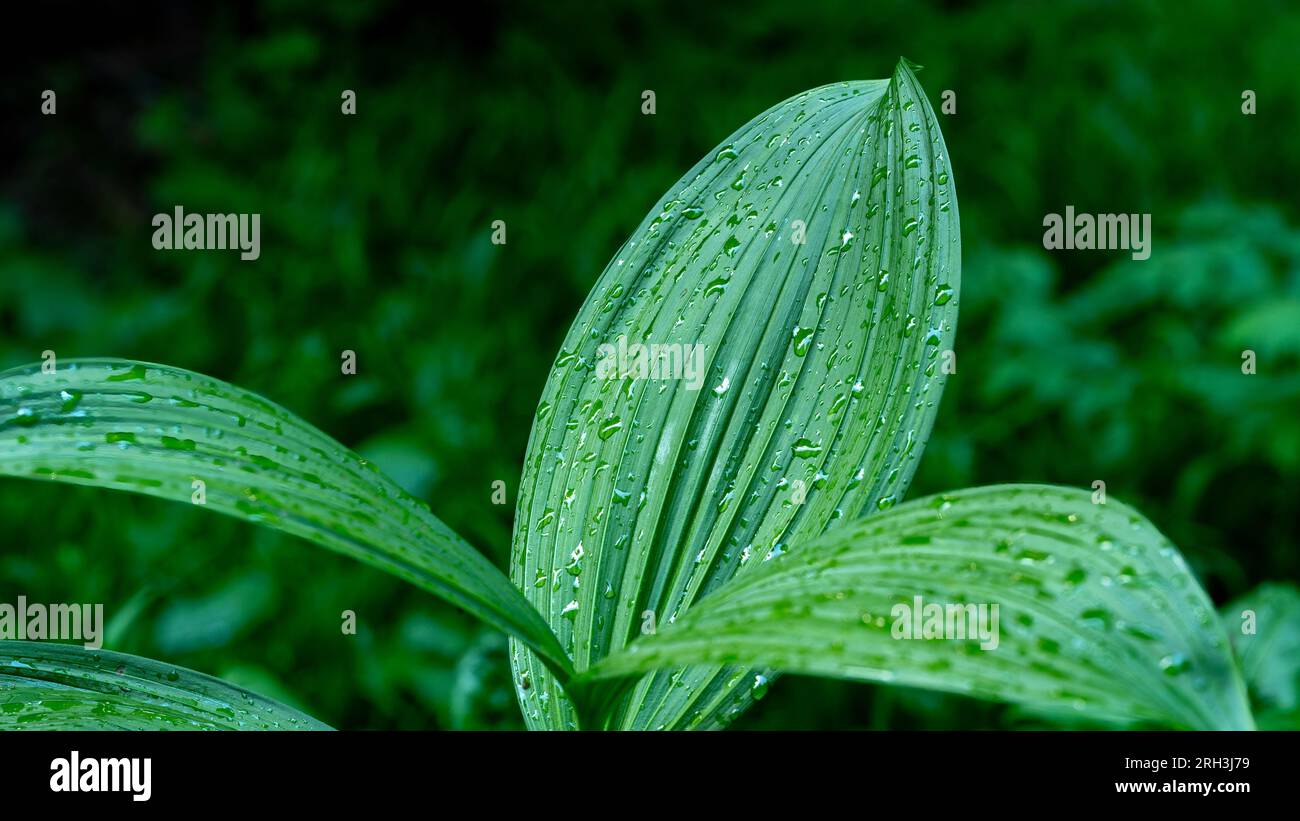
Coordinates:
x,y
907,66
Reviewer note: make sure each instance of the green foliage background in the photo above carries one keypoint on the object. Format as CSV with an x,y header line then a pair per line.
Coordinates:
x,y
1072,366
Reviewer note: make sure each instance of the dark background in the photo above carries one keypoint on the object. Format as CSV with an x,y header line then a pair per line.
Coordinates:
x,y
1073,366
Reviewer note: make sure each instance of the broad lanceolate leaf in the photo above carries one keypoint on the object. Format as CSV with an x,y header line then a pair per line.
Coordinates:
x,y
64,687
1096,611
179,435
811,263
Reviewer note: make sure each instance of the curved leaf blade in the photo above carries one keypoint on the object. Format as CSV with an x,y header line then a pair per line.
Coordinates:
x,y
819,380
1098,613
157,430
47,686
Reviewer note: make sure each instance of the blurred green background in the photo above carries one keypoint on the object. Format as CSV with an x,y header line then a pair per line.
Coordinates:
x,y
1073,366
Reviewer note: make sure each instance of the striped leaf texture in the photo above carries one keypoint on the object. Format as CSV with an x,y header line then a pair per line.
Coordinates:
x,y
794,295
1097,615
46,686
175,434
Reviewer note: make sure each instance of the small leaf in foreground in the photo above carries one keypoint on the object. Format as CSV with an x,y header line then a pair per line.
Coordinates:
x,y
45,686
1264,626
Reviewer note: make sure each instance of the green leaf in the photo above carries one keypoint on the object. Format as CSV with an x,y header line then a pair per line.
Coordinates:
x,y
819,382
64,687
1265,629
161,431
1097,613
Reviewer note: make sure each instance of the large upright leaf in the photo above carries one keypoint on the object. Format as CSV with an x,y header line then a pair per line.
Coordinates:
x,y
47,686
158,430
1098,615
823,375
